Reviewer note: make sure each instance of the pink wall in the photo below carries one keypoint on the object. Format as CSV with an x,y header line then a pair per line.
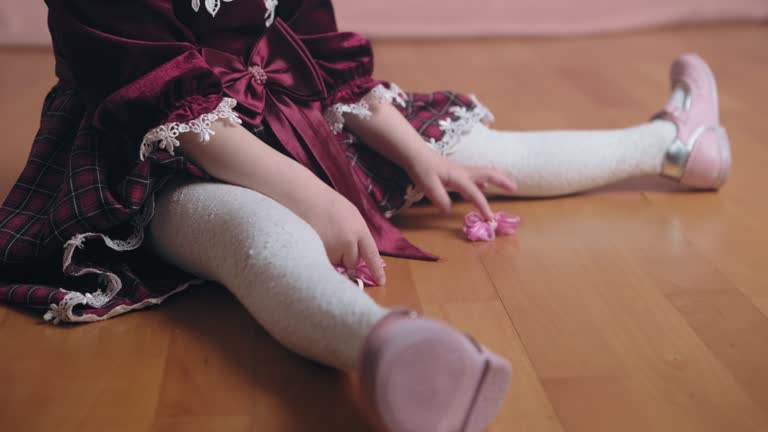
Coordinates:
x,y
533,17
23,21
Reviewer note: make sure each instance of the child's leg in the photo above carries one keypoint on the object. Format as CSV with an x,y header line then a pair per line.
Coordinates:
x,y
555,163
272,261
417,373
686,143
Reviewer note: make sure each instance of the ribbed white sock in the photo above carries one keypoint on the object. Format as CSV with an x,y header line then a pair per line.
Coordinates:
x,y
272,261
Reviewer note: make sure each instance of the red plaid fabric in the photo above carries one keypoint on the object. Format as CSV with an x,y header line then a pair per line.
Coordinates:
x,y
72,227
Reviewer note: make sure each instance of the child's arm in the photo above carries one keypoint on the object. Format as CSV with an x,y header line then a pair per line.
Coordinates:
x,y
235,156
390,134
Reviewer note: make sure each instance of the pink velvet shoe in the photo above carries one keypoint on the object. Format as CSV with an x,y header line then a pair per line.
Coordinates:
x,y
424,376
700,156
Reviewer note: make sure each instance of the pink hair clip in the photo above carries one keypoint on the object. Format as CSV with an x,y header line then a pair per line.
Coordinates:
x,y
478,229
361,274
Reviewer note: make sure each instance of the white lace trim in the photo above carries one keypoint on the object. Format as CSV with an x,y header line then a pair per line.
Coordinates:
x,y
213,6
63,311
269,17
335,115
109,283
164,136
453,130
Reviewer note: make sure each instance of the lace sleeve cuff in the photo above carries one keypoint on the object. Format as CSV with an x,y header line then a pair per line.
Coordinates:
x,y
165,136
334,115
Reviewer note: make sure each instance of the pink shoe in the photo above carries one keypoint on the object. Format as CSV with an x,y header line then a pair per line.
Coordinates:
x,y
424,376
700,156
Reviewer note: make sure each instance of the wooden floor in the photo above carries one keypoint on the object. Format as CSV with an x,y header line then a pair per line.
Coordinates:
x,y
637,308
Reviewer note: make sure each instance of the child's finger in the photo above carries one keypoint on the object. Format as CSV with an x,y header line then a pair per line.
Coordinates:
x,y
434,190
495,177
351,256
369,253
469,190
503,182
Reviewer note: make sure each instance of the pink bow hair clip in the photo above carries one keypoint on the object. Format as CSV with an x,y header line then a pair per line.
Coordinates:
x,y
478,229
361,274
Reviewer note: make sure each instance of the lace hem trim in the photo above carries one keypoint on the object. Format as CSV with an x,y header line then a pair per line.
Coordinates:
x,y
335,115
165,136
453,130
109,283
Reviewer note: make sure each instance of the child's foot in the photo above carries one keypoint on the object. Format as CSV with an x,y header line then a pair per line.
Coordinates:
x,y
700,155
424,376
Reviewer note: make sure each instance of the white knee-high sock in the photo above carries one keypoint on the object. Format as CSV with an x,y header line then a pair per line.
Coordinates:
x,y
272,261
551,163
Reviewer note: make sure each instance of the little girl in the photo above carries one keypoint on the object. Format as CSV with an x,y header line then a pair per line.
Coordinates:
x,y
248,144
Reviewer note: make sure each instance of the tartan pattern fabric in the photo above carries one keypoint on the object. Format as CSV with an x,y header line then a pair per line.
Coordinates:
x,y
426,111
72,227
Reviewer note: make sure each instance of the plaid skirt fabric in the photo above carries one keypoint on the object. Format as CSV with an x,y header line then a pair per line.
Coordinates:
x,y
72,229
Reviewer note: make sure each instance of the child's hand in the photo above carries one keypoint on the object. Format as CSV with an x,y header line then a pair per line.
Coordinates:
x,y
390,134
344,233
436,175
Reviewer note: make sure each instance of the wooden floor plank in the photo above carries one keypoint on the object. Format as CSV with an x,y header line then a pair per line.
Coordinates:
x,y
222,366
647,345
460,291
103,376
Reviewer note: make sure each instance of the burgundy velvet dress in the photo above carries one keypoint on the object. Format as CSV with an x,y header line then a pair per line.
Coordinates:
x,y
133,75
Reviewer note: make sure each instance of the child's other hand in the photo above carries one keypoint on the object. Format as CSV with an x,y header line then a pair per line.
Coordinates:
x,y
436,175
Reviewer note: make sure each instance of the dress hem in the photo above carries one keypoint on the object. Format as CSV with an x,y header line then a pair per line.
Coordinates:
x,y
64,310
